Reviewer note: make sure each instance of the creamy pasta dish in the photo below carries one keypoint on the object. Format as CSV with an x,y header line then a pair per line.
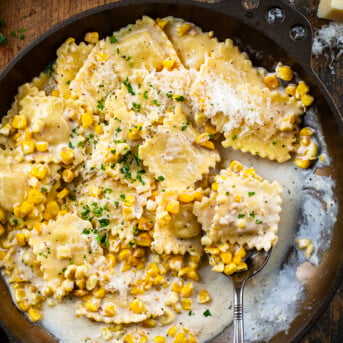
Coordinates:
x,y
113,184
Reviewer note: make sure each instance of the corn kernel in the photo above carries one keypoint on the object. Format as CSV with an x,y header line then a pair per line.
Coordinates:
x,y
19,122
284,73
28,146
135,133
129,200
177,286
168,64
62,194
191,339
137,291
153,270
51,210
99,293
218,267
143,239
159,339
92,282
172,331
204,297
186,304
241,267
149,323
172,299
271,81
92,305
237,198
204,140
63,252
21,239
39,171
173,207
145,224
187,290
3,215
92,37
307,99
26,208
98,129
67,155
87,120
161,23
305,141
306,131
302,163
101,56
124,254
180,337
42,146
186,198
184,28
230,268
68,175
34,314
176,262
226,257
198,196
301,89
137,306
23,306
291,89
214,186
109,310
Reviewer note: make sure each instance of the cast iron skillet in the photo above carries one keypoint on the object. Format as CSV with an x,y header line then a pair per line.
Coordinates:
x,y
267,43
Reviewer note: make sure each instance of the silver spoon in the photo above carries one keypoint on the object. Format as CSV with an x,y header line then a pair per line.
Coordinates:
x,y
256,260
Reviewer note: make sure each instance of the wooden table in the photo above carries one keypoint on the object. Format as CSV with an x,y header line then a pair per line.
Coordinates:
x,y
30,18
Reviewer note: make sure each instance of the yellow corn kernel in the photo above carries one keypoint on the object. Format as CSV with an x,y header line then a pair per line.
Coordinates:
x,y
135,133
2,215
186,198
218,267
153,270
186,304
187,290
28,146
26,208
173,207
92,305
198,196
137,306
62,194
69,40
226,257
184,28
306,131
111,259
143,239
190,273
161,23
230,268
42,146
301,89
51,210
39,171
204,140
305,141
21,239
271,81
137,291
235,166
145,224
177,286
35,197
67,155
99,293
129,200
124,254
168,64
241,267
237,198
204,297
191,339
149,323
180,338
302,163
3,253
241,223
237,259
68,175
98,129
284,73
34,314
87,120
175,262
23,306
101,56
2,230
307,99
172,331
19,122
55,92
164,219
92,282
38,228
109,310
214,186
291,89
92,37
159,339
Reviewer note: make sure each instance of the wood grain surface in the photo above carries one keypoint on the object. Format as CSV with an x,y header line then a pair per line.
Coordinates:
x,y
25,20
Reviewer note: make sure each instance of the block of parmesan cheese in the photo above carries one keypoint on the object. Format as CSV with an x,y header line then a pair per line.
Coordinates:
x,y
331,9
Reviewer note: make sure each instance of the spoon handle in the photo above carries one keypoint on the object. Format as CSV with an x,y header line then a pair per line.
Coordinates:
x,y
238,329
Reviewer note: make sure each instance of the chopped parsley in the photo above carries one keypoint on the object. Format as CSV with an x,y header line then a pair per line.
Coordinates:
x,y
240,216
234,137
104,222
127,84
227,193
3,39
131,244
155,101
136,107
107,190
86,231
251,194
184,126
180,98
258,221
252,214
160,178
49,68
100,105
169,94
116,203
145,95
43,189
122,196
207,313
113,39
